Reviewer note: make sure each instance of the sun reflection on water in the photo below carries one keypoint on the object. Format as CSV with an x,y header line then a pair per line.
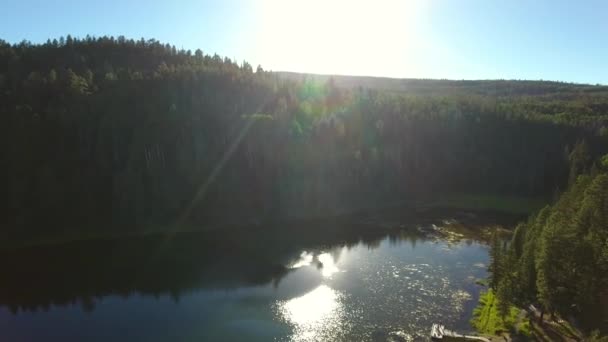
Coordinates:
x,y
390,292
328,264
304,260
314,316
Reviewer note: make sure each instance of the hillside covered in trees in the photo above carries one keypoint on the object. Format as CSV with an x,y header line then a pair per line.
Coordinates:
x,y
116,134
559,258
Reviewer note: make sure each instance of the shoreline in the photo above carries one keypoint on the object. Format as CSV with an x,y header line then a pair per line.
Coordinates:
x,y
391,217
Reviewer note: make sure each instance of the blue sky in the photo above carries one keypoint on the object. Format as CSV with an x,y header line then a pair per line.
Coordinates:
x,y
456,39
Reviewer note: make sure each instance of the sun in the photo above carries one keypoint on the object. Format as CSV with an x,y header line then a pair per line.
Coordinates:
x,y
369,37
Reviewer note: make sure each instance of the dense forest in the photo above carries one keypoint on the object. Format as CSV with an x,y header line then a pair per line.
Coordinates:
x,y
559,258
117,134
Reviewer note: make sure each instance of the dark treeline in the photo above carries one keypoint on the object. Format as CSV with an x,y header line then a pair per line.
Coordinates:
x,y
105,132
559,258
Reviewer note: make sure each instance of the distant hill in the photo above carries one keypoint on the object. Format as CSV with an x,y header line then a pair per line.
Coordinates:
x,y
452,87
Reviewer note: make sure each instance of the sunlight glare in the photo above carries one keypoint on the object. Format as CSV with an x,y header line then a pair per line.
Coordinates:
x,y
304,260
314,315
329,266
338,36
326,262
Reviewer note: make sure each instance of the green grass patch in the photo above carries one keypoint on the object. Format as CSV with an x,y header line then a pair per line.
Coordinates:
x,y
506,204
487,319
524,328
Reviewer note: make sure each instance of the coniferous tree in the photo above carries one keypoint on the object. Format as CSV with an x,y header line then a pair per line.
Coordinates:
x,y
496,263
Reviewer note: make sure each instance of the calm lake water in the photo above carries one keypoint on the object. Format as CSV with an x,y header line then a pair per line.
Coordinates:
x,y
334,284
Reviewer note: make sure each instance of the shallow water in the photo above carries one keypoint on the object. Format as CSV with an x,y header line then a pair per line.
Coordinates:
x,y
391,286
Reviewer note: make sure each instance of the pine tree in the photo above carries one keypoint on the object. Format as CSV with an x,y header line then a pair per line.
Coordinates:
x,y
495,266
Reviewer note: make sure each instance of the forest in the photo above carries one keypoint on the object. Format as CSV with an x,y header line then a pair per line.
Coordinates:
x,y
115,134
558,259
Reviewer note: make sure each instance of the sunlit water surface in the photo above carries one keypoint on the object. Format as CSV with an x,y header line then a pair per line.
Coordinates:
x,y
390,289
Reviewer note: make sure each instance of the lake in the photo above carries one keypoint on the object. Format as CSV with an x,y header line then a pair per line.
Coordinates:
x,y
374,281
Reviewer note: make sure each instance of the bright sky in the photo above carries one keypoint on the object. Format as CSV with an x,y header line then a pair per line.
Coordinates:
x,y
561,40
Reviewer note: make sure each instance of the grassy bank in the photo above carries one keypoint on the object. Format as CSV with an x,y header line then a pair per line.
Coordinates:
x,y
518,323
488,320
